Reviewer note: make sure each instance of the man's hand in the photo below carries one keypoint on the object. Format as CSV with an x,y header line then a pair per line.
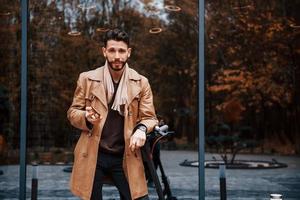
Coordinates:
x,y
92,116
137,140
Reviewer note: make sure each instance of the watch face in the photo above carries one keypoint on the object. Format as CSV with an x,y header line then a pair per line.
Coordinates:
x,y
143,128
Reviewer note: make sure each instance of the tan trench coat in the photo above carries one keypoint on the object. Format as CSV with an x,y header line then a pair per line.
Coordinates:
x,y
140,109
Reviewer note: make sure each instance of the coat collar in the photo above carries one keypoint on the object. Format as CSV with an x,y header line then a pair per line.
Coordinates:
x,y
98,89
97,74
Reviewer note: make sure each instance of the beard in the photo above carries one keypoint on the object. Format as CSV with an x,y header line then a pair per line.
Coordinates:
x,y
121,63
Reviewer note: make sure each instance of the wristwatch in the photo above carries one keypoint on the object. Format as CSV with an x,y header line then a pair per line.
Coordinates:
x,y
142,128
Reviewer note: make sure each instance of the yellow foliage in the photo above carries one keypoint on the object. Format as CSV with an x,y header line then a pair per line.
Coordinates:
x,y
219,88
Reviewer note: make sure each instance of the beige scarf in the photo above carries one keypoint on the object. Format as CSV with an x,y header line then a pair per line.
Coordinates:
x,y
121,97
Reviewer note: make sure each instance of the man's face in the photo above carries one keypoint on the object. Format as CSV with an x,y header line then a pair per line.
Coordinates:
x,y
117,54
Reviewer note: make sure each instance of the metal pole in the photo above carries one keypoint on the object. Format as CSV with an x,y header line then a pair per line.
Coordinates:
x,y
222,176
23,116
34,182
201,99
275,196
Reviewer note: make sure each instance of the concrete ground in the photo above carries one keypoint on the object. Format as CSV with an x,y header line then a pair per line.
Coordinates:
x,y
241,184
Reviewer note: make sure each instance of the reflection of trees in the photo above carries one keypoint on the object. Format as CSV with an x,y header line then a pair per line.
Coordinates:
x,y
251,56
177,65
169,59
56,59
9,71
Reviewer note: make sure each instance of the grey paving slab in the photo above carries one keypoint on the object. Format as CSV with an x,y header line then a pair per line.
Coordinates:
x,y
241,184
258,184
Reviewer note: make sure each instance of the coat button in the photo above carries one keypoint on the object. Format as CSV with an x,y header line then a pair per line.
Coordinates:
x,y
84,154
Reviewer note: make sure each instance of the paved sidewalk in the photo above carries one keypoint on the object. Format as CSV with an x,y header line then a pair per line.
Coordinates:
x,y
241,184
257,184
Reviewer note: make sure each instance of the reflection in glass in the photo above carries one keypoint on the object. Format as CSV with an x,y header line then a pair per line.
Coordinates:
x,y
252,96
64,40
9,97
172,8
155,30
74,33
5,13
56,56
102,29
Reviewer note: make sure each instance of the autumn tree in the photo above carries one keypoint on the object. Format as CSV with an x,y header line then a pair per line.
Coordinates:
x,y
250,58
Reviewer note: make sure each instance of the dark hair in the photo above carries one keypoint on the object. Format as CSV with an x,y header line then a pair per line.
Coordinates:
x,y
116,34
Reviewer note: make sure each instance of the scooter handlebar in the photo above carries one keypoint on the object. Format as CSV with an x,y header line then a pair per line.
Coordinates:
x,y
163,128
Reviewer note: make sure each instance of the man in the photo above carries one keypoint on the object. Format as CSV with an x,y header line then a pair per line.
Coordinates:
x,y
113,106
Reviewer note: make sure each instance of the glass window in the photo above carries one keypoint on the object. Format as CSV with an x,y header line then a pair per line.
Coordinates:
x,y
65,39
9,98
252,97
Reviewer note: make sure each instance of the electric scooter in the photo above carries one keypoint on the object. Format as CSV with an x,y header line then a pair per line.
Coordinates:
x,y
151,158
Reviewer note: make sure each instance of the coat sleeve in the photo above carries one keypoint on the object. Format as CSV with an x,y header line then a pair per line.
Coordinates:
x,y
76,112
147,114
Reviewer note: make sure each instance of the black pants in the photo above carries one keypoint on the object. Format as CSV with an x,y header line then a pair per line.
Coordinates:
x,y
110,165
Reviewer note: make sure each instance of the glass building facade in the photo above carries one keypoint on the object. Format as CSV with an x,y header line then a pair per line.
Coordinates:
x,y
251,81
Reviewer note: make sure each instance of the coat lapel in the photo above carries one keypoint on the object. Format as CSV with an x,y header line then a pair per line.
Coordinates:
x,y
97,88
133,86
